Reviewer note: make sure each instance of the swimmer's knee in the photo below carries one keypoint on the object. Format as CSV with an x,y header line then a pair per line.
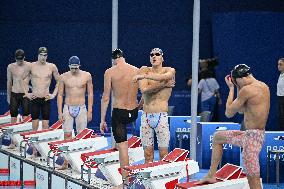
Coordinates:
x,y
120,139
219,138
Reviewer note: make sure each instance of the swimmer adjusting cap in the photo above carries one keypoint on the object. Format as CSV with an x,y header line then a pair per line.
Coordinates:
x,y
240,70
117,53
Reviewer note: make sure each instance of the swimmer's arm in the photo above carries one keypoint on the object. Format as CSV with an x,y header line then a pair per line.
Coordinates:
x,y
106,95
146,87
9,84
141,102
170,74
56,76
60,96
232,107
241,111
144,84
90,91
28,74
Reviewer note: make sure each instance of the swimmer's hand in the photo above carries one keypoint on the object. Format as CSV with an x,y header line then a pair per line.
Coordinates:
x,y
49,97
171,83
229,82
60,117
137,78
89,116
103,127
30,96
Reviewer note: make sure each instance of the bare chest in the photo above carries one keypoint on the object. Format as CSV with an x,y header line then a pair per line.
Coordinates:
x,y
19,71
75,82
41,71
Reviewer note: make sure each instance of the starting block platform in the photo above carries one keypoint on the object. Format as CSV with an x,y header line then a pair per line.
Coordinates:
x,y
40,139
36,171
72,149
228,177
166,173
20,126
5,118
14,129
107,161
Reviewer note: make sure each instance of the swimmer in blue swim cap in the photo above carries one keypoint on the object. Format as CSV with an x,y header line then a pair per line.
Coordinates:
x,y
75,85
74,64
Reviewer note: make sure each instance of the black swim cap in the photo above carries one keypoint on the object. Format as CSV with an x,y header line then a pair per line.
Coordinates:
x,y
117,53
240,70
19,54
42,50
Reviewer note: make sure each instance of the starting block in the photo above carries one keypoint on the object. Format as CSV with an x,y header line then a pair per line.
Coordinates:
x,y
40,139
5,118
108,161
164,174
15,129
228,177
72,149
16,126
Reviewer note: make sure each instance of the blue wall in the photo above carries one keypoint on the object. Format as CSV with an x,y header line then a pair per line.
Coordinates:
x,y
252,38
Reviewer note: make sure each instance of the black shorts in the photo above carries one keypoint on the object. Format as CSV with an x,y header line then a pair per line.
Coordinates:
x,y
120,118
40,106
17,100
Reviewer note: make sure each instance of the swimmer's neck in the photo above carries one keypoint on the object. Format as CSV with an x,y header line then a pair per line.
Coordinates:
x,y
157,69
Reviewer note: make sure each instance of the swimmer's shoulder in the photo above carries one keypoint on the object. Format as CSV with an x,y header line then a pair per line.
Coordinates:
x,y
144,69
11,65
169,69
134,67
52,65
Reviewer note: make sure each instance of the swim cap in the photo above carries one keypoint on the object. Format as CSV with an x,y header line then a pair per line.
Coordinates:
x,y
42,50
240,70
74,61
117,53
19,54
157,49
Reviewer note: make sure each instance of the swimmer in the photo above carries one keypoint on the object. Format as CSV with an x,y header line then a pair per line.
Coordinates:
x,y
253,100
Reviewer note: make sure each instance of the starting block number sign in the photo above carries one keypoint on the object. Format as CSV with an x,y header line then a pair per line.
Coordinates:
x,y
71,185
178,123
205,134
272,142
57,182
15,169
41,179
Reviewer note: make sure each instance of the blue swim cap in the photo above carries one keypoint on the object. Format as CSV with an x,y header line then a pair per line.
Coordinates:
x,y
74,61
